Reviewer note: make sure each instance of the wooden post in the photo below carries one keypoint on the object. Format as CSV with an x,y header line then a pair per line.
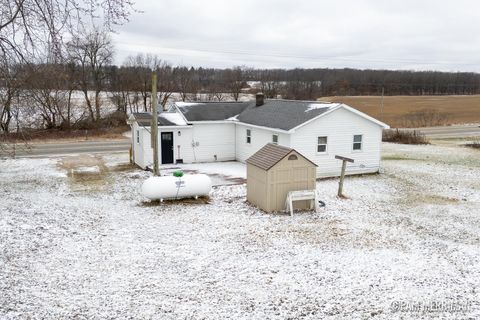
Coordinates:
x,y
342,175
154,124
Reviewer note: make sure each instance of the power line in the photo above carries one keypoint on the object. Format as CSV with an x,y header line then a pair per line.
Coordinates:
x,y
316,58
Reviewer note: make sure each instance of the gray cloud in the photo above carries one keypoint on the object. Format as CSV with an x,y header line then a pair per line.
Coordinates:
x,y
347,33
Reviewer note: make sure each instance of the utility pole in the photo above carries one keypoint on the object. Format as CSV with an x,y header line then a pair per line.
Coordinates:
x,y
381,107
154,124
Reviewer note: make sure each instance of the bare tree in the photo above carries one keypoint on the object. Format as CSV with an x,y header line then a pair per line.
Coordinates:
x,y
140,73
10,84
166,83
120,88
186,82
270,83
11,81
26,25
45,92
92,52
234,81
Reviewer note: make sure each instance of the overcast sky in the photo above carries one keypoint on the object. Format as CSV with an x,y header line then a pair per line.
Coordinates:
x,y
407,34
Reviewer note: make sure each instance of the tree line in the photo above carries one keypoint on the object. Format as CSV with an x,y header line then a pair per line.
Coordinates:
x,y
59,84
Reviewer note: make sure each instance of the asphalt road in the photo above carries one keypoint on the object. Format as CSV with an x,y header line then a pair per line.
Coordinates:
x,y
451,131
65,148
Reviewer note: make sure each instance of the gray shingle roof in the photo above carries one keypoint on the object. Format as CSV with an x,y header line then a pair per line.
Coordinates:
x,y
283,114
270,155
277,114
211,111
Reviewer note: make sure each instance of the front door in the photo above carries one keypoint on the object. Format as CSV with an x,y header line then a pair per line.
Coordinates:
x,y
167,147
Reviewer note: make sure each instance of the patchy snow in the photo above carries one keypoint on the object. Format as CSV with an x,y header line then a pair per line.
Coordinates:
x,y
87,169
315,106
186,104
173,117
83,248
234,118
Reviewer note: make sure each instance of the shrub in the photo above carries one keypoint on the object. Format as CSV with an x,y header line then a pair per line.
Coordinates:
x,y
425,118
404,136
474,144
112,120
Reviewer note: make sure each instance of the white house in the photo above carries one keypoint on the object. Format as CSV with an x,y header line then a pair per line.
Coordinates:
x,y
226,131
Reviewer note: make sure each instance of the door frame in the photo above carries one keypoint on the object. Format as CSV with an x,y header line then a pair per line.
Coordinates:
x,y
161,147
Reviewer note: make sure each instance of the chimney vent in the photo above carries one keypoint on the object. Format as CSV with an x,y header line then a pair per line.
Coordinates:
x,y
259,99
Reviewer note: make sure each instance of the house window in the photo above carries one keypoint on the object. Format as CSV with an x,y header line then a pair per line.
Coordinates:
x,y
292,157
322,144
138,136
275,138
357,142
249,136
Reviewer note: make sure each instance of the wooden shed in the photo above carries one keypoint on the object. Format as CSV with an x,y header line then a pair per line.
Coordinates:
x,y
273,171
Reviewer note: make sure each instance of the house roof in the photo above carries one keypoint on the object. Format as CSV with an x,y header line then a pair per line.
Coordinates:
x,y
211,111
164,119
270,155
284,114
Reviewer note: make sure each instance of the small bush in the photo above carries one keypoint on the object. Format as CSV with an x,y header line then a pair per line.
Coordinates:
x,y
474,144
404,136
424,118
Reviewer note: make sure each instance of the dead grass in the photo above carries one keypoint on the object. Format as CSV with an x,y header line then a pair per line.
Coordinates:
x,y
70,135
459,109
88,173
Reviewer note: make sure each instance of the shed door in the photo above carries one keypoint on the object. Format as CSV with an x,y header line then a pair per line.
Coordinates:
x,y
167,147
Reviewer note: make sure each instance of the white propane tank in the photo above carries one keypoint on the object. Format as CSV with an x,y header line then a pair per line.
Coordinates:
x,y
170,187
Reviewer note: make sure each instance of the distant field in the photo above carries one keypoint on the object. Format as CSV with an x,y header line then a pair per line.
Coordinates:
x,y
457,109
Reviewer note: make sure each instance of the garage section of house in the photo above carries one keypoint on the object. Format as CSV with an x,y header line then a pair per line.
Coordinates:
x,y
274,171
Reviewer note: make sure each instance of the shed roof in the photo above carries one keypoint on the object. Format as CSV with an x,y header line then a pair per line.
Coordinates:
x,y
270,155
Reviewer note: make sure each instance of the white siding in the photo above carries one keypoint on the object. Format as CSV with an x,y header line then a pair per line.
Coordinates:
x,y
136,147
198,143
182,144
340,126
184,140
259,138
146,147
212,140
201,142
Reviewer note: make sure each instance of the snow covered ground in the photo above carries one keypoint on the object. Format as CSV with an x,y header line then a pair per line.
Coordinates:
x,y
221,173
82,243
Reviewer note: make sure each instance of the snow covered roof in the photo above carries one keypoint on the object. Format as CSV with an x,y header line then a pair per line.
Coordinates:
x,y
276,113
172,117
164,119
270,155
